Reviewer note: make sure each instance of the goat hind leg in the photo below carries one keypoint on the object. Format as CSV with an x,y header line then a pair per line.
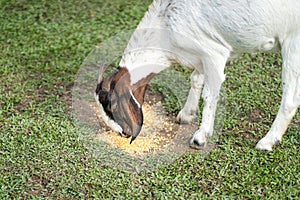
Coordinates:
x,y
291,93
188,113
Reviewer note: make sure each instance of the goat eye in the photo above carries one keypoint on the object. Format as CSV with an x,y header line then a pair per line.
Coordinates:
x,y
99,87
103,95
105,100
108,106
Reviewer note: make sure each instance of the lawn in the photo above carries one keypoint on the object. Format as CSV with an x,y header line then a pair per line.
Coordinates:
x,y
42,46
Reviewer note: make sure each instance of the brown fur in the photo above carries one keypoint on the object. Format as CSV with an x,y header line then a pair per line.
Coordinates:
x,y
118,102
139,88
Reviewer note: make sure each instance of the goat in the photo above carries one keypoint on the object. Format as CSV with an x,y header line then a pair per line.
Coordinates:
x,y
202,35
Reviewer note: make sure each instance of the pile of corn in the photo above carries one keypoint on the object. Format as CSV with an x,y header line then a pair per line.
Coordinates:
x,y
156,132
140,146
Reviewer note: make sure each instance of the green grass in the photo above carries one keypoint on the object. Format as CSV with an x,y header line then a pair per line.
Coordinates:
x,y
42,45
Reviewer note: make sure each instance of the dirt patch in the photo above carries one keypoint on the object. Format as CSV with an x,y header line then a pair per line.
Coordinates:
x,y
160,131
161,141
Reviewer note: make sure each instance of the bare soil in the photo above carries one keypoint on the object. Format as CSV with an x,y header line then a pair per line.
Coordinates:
x,y
160,131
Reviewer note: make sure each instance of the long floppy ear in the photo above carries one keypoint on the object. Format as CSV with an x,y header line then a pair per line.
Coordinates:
x,y
126,109
128,113
138,119
139,88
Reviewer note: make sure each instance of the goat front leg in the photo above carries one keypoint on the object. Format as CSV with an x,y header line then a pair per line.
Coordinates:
x,y
189,111
214,77
291,93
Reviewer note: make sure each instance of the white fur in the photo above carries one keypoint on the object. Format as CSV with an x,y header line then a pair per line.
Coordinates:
x,y
136,102
204,35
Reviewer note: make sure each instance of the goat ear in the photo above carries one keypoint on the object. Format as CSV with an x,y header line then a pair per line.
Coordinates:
x,y
128,113
139,118
126,110
139,94
139,88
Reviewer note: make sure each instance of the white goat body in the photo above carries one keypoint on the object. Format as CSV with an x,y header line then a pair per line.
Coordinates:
x,y
204,35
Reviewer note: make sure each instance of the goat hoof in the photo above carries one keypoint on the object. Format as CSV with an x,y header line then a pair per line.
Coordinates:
x,y
195,144
185,118
266,144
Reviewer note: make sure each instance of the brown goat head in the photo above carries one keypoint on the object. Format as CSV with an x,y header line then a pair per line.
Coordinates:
x,y
120,102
